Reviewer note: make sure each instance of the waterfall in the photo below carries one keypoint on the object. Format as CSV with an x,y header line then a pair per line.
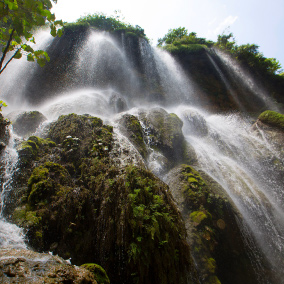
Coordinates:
x,y
11,236
104,81
243,164
245,79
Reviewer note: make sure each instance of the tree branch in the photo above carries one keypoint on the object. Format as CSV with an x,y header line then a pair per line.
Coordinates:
x,y
1,70
6,50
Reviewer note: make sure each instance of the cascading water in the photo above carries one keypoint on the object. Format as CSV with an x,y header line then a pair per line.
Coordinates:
x,y
11,236
245,79
243,164
104,83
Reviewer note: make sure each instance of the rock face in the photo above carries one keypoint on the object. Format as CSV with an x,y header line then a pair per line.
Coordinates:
x,y
219,249
25,266
76,202
27,123
164,134
4,134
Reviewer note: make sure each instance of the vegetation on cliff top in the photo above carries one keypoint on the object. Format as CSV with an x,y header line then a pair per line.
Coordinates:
x,y
104,23
179,41
249,54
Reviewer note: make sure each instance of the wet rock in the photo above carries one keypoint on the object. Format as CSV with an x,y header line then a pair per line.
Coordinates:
x,y
4,133
99,273
270,126
25,266
164,134
26,123
130,126
195,124
89,208
213,226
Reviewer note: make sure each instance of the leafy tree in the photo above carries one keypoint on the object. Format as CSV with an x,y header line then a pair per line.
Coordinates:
x,y
249,54
172,35
18,19
102,22
226,41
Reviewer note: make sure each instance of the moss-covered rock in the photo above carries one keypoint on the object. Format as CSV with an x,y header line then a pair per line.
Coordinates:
x,y
98,272
219,248
4,134
98,212
164,134
272,118
132,129
46,181
27,123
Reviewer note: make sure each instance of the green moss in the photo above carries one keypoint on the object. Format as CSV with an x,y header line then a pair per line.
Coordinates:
x,y
197,217
99,273
97,122
26,218
135,132
45,181
42,142
211,265
28,150
213,280
272,118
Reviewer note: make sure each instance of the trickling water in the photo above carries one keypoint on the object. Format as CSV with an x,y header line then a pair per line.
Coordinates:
x,y
102,63
175,84
11,236
226,82
245,79
243,164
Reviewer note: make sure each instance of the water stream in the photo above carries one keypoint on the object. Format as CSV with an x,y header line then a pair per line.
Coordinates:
x,y
11,236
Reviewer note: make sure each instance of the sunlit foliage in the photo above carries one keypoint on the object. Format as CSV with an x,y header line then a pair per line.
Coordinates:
x,y
249,54
18,19
102,22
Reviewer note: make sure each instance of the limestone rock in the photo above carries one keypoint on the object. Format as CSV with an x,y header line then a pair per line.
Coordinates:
x,y
26,266
164,134
26,123
212,223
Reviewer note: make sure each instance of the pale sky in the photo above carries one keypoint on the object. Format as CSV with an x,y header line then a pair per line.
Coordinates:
x,y
251,21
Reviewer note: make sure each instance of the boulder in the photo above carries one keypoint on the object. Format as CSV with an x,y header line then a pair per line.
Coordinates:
x,y
26,266
164,134
26,123
130,126
212,222
80,204
4,133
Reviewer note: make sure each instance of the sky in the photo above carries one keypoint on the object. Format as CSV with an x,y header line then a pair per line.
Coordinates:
x,y
251,21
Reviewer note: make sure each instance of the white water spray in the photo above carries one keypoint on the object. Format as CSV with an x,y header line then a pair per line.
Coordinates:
x,y
243,164
11,236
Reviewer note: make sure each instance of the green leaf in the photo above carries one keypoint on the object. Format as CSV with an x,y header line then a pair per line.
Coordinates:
x,y
30,57
53,31
41,61
18,55
59,32
27,48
